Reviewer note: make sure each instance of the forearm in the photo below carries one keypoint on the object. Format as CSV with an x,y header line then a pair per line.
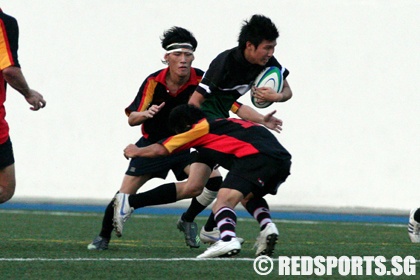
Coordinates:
x,y
151,151
286,92
137,118
196,99
249,114
14,77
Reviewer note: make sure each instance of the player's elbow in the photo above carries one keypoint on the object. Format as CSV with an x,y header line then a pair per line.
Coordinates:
x,y
287,93
160,151
10,73
131,122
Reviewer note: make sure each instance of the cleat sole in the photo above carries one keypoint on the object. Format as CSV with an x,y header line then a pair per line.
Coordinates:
x,y
231,253
271,243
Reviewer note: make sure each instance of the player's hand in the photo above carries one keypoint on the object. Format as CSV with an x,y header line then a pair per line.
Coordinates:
x,y
272,122
36,100
263,94
130,151
153,110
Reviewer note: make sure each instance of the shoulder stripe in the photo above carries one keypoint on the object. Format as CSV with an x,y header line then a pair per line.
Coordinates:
x,y
187,139
149,91
6,60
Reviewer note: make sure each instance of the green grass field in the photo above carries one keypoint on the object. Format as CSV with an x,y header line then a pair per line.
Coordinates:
x,y
52,245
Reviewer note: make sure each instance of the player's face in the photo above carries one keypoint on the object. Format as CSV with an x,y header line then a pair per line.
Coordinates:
x,y
180,62
262,53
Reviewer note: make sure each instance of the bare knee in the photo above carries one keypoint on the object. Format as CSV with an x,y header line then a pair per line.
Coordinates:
x,y
196,191
7,183
6,193
190,190
193,191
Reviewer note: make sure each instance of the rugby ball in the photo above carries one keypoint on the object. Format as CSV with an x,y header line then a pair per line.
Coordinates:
x,y
269,77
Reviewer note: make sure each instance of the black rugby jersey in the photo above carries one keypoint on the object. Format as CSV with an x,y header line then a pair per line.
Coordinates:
x,y
223,141
229,77
153,91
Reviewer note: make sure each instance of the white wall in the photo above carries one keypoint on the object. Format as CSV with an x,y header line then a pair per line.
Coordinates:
x,y
352,126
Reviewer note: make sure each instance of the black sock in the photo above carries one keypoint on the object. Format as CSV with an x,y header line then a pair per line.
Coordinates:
x,y
417,215
195,208
213,184
226,222
107,226
163,194
258,208
192,211
211,223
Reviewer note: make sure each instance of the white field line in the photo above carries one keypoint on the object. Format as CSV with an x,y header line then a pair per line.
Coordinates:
x,y
118,259
128,259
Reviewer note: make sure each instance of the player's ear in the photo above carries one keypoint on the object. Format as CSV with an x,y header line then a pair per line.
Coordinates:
x,y
165,57
249,45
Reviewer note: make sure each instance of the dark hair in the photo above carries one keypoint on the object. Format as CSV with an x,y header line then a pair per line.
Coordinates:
x,y
257,29
177,34
182,117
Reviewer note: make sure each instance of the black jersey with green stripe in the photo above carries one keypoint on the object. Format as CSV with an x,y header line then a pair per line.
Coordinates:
x,y
223,141
229,77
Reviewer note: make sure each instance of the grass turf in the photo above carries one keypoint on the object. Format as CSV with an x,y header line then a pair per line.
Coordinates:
x,y
51,245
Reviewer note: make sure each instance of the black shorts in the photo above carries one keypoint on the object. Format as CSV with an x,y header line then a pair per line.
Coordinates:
x,y
6,154
258,174
159,167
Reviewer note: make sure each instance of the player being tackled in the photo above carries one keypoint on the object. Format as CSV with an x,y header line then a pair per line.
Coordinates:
x,y
258,164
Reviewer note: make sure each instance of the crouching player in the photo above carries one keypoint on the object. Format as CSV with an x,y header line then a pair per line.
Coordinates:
x,y
257,165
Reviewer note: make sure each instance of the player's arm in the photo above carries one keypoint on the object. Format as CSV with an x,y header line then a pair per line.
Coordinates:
x,y
137,118
196,99
172,144
151,151
247,113
14,77
286,92
269,94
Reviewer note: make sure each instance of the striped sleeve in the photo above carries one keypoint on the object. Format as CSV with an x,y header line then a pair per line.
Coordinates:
x,y
9,34
187,139
143,98
235,107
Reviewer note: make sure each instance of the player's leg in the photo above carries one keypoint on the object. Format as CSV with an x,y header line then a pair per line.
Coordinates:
x,y
7,183
172,192
130,185
169,193
414,225
273,174
186,222
7,172
203,193
207,196
267,238
139,171
225,218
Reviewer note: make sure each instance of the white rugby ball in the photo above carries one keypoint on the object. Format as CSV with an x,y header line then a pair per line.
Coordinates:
x,y
269,77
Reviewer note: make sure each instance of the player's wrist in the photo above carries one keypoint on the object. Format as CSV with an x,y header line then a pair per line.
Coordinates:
x,y
280,97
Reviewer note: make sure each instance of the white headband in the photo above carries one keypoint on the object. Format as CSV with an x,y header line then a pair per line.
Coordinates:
x,y
179,47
